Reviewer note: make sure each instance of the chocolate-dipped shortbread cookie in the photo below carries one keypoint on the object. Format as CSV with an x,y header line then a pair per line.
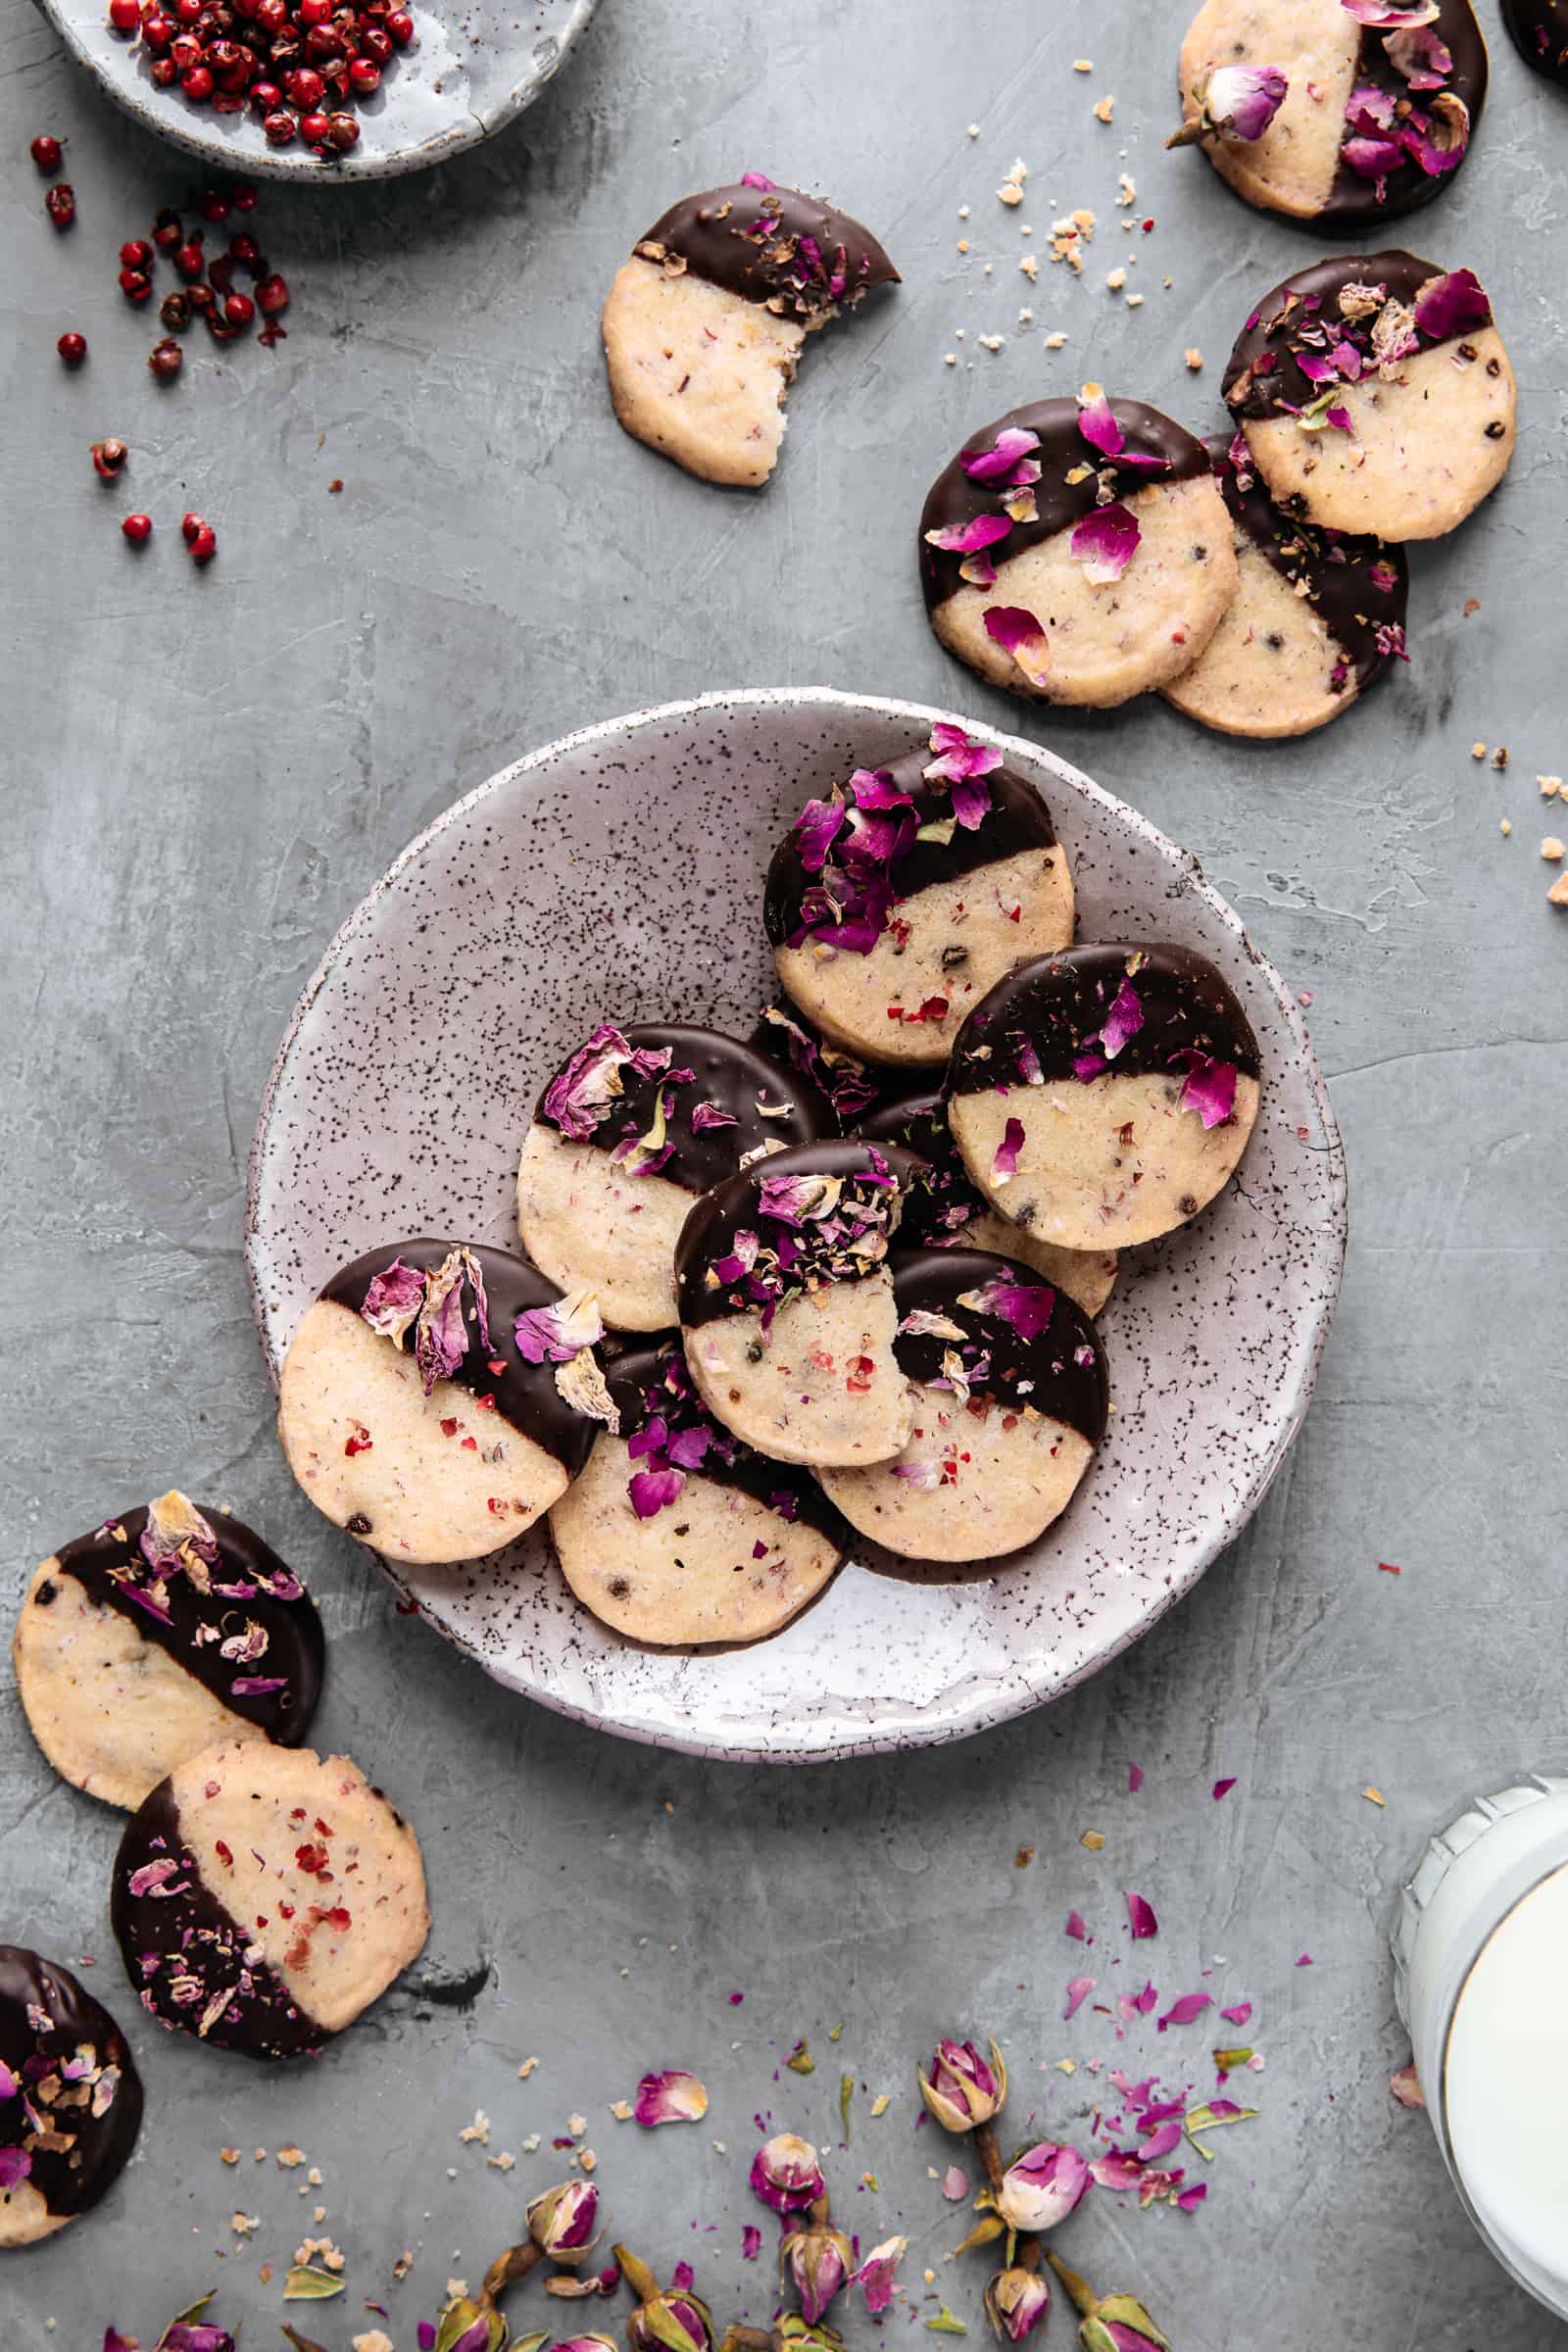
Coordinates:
x,y
1375,395
943,1210
1077,550
1345,113
678,1534
438,1397
705,324
263,1896
70,2098
1010,1396
786,1303
1539,30
159,1634
630,1130
1318,615
1104,1097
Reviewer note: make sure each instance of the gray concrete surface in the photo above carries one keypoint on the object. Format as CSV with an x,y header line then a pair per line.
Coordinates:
x,y
204,774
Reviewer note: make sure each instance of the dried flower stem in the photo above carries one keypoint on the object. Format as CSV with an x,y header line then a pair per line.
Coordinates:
x,y
1083,2298
516,2263
983,2136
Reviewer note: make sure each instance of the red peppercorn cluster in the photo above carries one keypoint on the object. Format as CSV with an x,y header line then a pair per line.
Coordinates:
x,y
298,65
207,290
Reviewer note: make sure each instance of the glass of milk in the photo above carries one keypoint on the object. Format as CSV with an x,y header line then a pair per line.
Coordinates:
x,y
1479,1946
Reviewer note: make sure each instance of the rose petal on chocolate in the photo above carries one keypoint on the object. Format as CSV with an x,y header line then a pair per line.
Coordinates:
x,y
393,1300
817,828
1372,157
14,2165
1027,1306
995,463
707,1115
966,538
1454,304
555,1334
1420,55
1389,15
1438,138
671,2098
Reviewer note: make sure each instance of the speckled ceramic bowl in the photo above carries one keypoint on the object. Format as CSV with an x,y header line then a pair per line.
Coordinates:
x,y
620,872
469,71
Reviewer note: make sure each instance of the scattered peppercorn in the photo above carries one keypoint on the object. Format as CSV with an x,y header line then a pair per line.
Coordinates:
x,y
166,359
203,544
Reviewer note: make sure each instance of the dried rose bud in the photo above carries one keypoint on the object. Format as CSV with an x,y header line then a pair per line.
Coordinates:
x,y
464,2327
787,2174
818,2258
1041,2187
961,2091
561,2222
669,2318
1109,2323
586,2344
1235,102
1017,2301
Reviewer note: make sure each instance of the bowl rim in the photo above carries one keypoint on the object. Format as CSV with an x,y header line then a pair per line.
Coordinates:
x,y
1007,1705
469,127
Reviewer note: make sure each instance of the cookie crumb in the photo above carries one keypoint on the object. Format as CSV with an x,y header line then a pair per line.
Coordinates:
x,y
228,2155
1506,827
949,359
1055,340
1549,787
1104,109
1500,757
1115,280
1478,751
1094,1839
990,342
1135,302
1472,604
288,2159
526,2069
1127,188
1194,359
1557,894
479,2130
1551,848
1083,65
1013,179
974,131
1029,264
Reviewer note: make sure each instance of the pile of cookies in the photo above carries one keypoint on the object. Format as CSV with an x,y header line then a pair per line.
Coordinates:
x,y
839,1276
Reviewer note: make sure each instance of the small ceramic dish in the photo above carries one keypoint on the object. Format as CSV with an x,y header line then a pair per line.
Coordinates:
x,y
466,73
618,874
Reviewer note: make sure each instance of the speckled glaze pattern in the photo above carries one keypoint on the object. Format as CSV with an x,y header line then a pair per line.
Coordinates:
x,y
545,899
464,77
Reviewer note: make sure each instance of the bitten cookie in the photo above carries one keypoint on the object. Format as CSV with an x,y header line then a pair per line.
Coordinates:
x,y
705,324
1011,1401
1539,30
159,1634
942,1209
678,1534
70,2098
1375,395
627,1134
1318,615
1339,112
895,903
841,1084
1077,550
1104,1097
263,1896
786,1303
437,1398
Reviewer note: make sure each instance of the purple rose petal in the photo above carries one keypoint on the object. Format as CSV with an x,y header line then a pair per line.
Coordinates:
x,y
1451,305
1106,543
1005,1161
965,538
650,1491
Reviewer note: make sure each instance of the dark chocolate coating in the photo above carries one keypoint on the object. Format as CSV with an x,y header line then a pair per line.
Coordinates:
x,y
188,1939
1353,202
650,1382
1059,1004
841,1085
773,245
1539,30
724,1072
709,1232
46,2019
525,1395
246,1581
1016,820
1060,1372
1275,330
941,1204
953,499
1336,566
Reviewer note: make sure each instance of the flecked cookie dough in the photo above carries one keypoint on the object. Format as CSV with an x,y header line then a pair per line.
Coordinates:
x,y
1011,1397
627,1134
1104,1097
1077,550
1375,395
1539,30
437,1398
703,327
70,2098
1341,115
942,1209
896,903
677,1534
786,1303
1318,615
162,1632
841,1084
263,1896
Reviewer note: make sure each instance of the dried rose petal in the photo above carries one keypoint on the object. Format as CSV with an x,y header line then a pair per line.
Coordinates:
x,y
1419,53
1027,1306
650,1491
1106,543
817,828
998,463
1004,1163
1182,2012
875,2277
966,538
1140,1917
955,2184
1123,1021
1389,15
1373,157
14,2165
555,1334
393,1300
1078,1990
671,2098
1209,1088
958,756
1016,630
1438,138
1454,304
1405,2084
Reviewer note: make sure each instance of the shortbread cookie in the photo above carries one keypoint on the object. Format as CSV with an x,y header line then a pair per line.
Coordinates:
x,y
162,1632
942,1209
70,2098
1375,395
438,1397
677,1534
1077,550
842,1085
786,1303
1339,112
1318,615
704,325
1011,1401
263,1896
896,903
631,1129
1104,1097
1539,30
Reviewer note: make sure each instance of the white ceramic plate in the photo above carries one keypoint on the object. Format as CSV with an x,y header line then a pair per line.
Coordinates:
x,y
618,874
466,73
